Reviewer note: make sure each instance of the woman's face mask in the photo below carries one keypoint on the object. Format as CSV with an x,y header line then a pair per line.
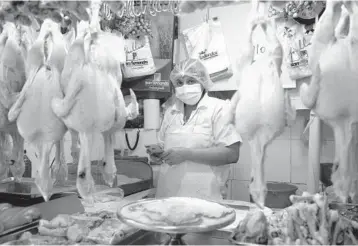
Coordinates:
x,y
189,94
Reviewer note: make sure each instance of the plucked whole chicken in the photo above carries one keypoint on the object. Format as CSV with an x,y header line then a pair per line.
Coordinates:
x,y
332,91
93,102
260,109
14,43
36,122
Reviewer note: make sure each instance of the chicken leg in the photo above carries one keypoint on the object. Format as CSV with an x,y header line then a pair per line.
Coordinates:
x,y
43,179
85,182
17,166
258,189
108,167
75,146
60,169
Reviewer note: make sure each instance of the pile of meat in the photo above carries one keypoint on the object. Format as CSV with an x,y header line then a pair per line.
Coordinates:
x,y
85,228
308,221
62,84
13,217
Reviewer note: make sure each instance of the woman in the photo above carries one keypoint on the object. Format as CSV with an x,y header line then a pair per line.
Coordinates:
x,y
197,144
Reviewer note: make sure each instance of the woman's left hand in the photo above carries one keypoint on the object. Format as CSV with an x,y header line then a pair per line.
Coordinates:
x,y
175,156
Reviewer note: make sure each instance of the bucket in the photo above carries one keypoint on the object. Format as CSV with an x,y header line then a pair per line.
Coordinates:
x,y
278,195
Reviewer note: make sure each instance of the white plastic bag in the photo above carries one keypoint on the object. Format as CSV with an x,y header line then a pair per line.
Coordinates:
x,y
139,59
206,42
296,44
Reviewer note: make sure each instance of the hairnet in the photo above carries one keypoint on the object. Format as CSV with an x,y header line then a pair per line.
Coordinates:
x,y
192,68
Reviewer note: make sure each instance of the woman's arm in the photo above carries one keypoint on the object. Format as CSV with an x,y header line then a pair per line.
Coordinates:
x,y
216,156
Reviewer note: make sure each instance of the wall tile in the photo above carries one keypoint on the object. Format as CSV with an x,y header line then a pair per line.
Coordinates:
x,y
240,190
277,162
327,133
299,161
327,152
277,158
241,170
286,134
301,121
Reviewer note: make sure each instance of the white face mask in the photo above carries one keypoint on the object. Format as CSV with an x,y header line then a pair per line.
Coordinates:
x,y
189,94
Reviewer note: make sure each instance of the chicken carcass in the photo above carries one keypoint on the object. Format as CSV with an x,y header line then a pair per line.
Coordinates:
x,y
32,111
14,41
93,101
260,109
331,93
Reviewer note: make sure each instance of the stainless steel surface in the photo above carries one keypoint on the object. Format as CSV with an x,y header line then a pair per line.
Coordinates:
x,y
230,218
156,238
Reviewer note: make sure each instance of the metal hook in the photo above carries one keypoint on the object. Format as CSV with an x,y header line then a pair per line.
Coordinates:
x,y
159,6
176,7
144,9
134,10
165,9
151,8
122,10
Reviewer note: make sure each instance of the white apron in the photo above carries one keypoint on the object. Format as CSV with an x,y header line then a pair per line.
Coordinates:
x,y
190,179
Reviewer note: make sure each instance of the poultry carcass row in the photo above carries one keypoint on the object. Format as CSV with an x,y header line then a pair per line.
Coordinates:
x,y
332,91
93,101
14,42
260,109
36,122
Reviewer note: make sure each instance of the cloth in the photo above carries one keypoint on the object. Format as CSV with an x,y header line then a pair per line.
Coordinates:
x,y
204,129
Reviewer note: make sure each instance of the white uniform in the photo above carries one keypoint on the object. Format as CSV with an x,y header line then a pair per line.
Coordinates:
x,y
204,129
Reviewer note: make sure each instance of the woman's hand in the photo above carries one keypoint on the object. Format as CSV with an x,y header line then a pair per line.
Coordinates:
x,y
175,156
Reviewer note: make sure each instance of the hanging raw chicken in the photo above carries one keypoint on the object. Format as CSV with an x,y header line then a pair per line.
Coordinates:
x,y
259,108
14,41
332,92
93,101
32,111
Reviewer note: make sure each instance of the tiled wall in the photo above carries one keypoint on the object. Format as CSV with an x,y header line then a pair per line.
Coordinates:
x,y
286,159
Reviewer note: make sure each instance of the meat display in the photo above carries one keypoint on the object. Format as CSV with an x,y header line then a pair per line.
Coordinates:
x,y
331,93
12,217
14,43
308,221
260,109
93,102
45,63
86,228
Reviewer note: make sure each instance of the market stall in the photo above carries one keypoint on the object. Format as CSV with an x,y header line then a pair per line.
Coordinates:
x,y
92,67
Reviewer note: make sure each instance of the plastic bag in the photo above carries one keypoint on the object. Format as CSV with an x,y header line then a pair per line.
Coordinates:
x,y
295,41
139,59
206,42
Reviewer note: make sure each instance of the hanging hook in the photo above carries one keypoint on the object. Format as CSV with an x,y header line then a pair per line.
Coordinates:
x,y
176,7
122,10
165,9
135,9
159,6
151,8
143,7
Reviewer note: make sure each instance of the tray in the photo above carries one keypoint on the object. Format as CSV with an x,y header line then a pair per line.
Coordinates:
x,y
204,223
14,233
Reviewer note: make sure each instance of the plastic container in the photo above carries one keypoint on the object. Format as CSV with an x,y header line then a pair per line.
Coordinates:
x,y
278,194
326,173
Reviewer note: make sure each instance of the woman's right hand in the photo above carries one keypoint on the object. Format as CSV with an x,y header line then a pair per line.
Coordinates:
x,y
154,158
